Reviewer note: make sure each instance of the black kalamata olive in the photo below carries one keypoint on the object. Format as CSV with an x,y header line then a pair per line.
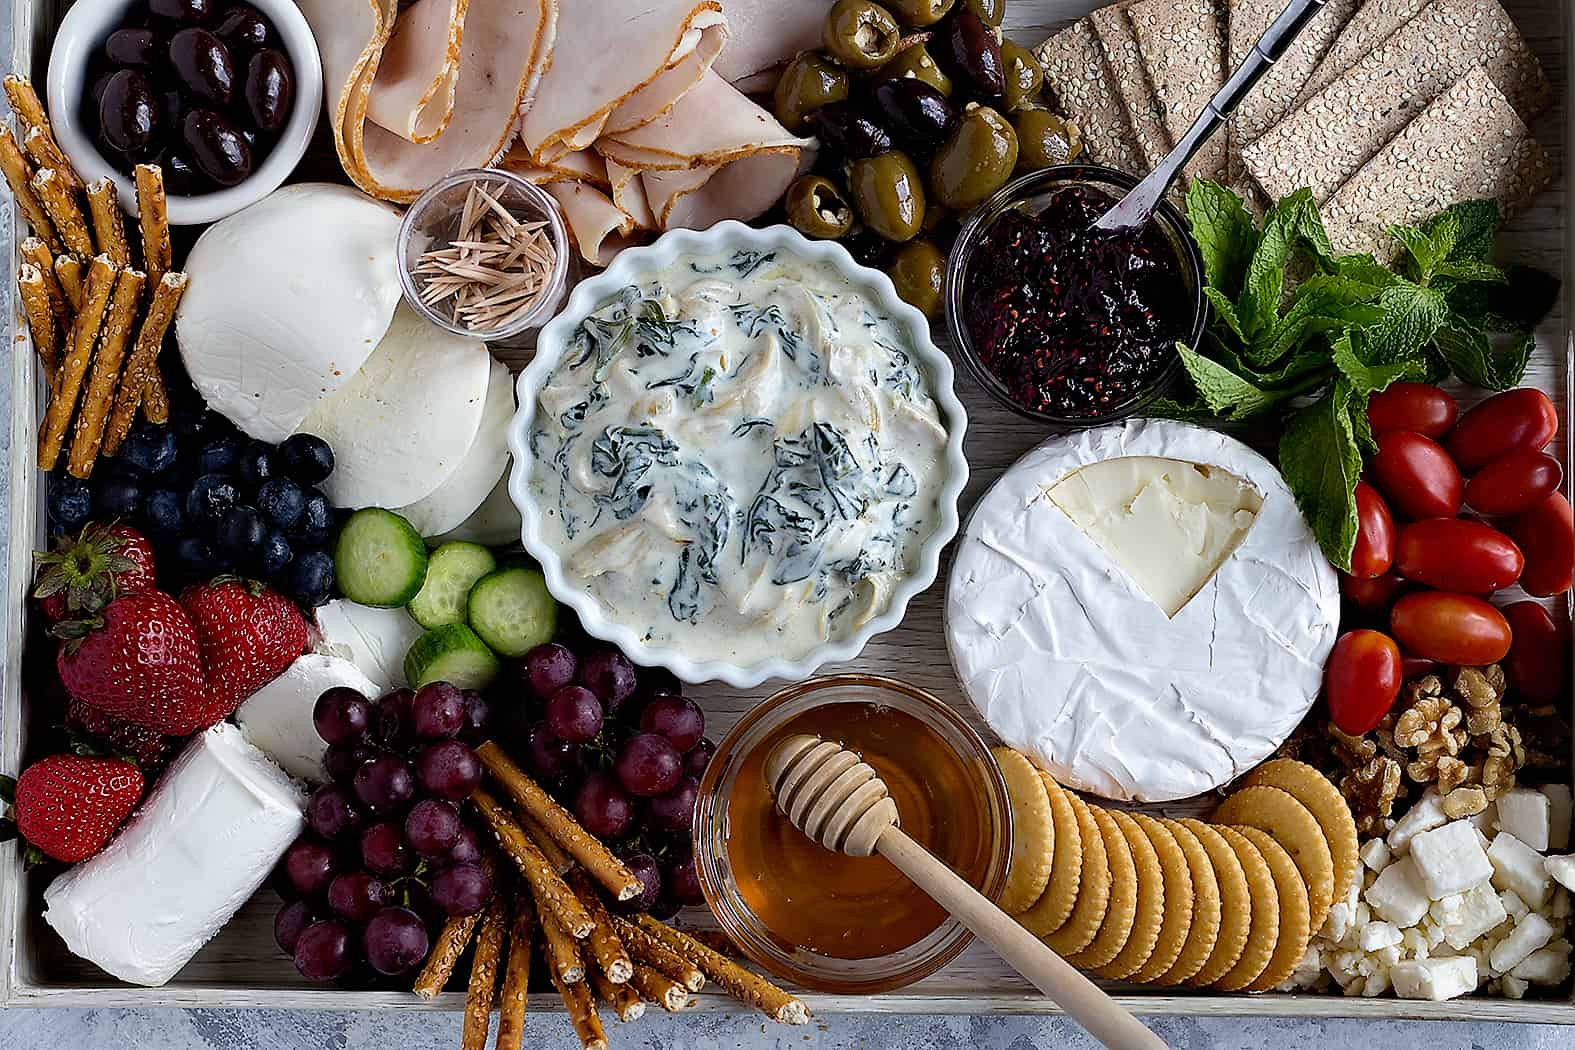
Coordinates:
x,y
95,94
217,149
202,63
186,12
180,178
244,28
173,107
846,131
269,89
127,112
137,48
967,48
918,114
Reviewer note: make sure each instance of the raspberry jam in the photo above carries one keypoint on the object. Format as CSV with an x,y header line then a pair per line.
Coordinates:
x,y
1075,322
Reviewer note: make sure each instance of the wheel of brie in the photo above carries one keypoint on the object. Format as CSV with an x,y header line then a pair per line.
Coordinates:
x,y
1142,608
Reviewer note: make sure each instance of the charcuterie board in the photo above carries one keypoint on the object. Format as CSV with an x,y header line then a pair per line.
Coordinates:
x,y
242,967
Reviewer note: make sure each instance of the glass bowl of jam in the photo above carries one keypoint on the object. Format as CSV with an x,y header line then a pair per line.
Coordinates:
x,y
1065,324
839,924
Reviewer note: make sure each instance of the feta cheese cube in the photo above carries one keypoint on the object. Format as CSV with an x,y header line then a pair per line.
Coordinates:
x,y
1377,984
1514,907
1435,979
1446,910
1560,809
1529,934
1338,925
1512,987
1526,814
1376,935
1559,908
1398,895
1427,814
1375,854
1414,941
1518,867
1307,973
1486,821
1543,966
1480,911
1561,868
1388,955
1342,965
1450,859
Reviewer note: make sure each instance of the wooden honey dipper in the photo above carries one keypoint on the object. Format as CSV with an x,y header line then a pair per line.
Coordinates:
x,y
840,801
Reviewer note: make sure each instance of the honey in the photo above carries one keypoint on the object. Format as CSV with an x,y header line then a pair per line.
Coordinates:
x,y
857,907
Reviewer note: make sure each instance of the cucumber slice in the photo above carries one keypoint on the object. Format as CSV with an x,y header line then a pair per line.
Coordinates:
x,y
451,653
380,559
452,570
511,610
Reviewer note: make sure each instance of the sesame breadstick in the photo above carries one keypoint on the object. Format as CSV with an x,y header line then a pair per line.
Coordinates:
x,y
561,862
109,225
68,271
578,1001
516,979
653,953
736,981
561,951
41,146
608,951
40,322
25,103
621,999
547,886
19,176
107,362
659,988
144,356
154,218
482,991
54,193
35,251
84,336
450,945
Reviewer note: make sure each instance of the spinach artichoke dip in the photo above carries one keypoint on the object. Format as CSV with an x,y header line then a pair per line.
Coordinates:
x,y
739,458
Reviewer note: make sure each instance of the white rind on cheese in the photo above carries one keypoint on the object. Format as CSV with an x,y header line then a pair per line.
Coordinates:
x,y
375,640
277,719
287,299
1069,660
196,850
400,427
453,502
496,523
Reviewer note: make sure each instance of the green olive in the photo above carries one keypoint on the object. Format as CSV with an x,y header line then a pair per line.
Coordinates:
x,y
860,34
889,194
810,81
990,11
817,208
916,62
919,272
1024,75
920,12
936,215
1044,140
976,159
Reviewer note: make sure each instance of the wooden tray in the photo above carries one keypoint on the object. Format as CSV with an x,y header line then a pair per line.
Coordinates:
x,y
243,968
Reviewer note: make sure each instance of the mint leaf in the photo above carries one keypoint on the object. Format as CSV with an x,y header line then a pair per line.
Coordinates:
x,y
1290,224
1470,270
1224,311
1366,379
1192,410
1426,249
1322,302
1475,225
1411,315
1321,458
1227,394
1225,234
1367,270
1471,355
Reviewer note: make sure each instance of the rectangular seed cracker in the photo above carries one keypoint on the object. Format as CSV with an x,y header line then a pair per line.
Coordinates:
x,y
1182,45
1468,144
1276,94
1120,48
1339,129
1373,23
1082,85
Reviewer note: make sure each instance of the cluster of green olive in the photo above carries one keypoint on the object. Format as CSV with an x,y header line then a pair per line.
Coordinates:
x,y
923,110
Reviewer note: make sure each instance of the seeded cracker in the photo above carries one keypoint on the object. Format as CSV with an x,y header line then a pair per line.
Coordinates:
x,y
1469,144
1177,900
1093,890
1327,140
1204,931
1276,93
1264,932
1293,827
1033,834
1235,906
1152,901
1055,904
1372,24
1076,72
1120,49
1295,928
1328,807
1122,912
1182,45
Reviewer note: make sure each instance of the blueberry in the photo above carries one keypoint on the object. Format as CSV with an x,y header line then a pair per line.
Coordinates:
x,y
307,458
211,497
309,578
316,520
117,498
195,556
192,419
275,555
218,454
241,533
70,501
150,448
257,463
166,511
282,501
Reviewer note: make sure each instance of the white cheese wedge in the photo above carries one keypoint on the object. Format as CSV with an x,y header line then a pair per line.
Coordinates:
x,y
287,299
277,719
452,503
400,427
374,640
196,850
496,523
1074,659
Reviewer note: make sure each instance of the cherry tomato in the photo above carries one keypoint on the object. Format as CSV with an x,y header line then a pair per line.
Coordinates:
x,y
1539,655
1523,418
1546,533
1375,534
1514,482
1450,628
1416,475
1421,407
1414,667
1374,595
1457,554
1361,680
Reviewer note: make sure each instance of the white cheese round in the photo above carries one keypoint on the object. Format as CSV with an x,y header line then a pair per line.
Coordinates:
x,y
1059,632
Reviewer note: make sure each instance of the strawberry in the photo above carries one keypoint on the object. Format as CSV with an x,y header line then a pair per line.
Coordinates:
x,y
249,634
82,575
96,733
139,661
67,806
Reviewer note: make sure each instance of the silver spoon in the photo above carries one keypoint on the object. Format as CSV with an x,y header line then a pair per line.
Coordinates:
x,y
1134,209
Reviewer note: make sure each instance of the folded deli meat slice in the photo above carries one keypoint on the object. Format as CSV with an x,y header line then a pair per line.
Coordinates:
x,y
693,57
701,197
502,48
600,229
765,34
628,193
712,124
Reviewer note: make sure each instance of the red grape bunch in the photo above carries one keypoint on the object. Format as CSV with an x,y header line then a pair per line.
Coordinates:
x,y
625,750
388,855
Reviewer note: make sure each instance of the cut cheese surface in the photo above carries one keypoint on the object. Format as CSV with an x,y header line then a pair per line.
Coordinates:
x,y
1169,524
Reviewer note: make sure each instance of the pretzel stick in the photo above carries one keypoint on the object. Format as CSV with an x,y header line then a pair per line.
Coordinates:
x,y
446,950
561,862
25,102
541,807
153,218
483,988
560,950
606,948
109,225
161,311
716,940
659,988
582,1011
547,886
621,999
19,176
40,322
41,146
54,193
35,251
516,980
68,271
106,373
734,979
653,953
155,398
84,334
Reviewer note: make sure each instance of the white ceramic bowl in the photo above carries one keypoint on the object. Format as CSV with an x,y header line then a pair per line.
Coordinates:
x,y
635,264
84,29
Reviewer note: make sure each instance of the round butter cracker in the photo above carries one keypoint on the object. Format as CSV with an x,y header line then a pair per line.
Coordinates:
x,y
1294,827
1235,921
1055,904
1291,944
1093,889
1033,833
1328,807
1176,900
1122,912
1264,932
1204,930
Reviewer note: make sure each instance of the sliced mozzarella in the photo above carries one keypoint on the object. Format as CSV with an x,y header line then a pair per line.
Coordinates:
x,y
375,640
200,845
496,523
400,427
287,299
277,719
488,456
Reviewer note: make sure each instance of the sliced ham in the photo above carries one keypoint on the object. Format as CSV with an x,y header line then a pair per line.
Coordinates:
x,y
764,35
713,124
684,72
628,193
600,229
582,166
701,197
413,95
